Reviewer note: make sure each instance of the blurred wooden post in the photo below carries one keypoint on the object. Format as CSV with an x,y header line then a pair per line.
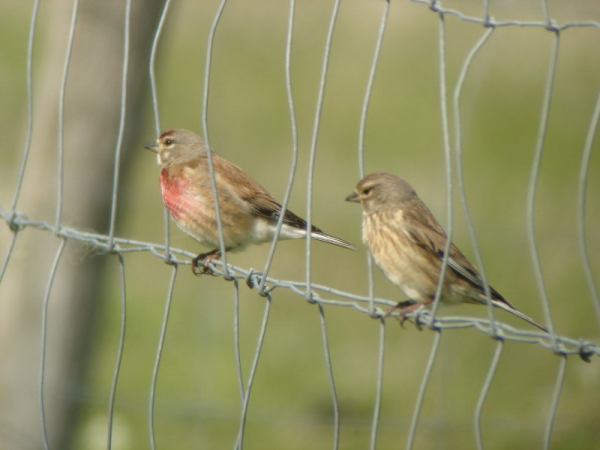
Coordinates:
x,y
92,111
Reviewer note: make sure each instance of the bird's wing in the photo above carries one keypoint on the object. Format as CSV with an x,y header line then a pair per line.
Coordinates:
x,y
260,201
266,210
422,228
425,231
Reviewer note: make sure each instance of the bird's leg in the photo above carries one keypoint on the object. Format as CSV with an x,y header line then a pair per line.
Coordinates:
x,y
405,308
201,268
399,305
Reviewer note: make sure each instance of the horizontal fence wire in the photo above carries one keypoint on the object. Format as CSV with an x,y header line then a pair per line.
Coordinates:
x,y
319,293
373,307
489,21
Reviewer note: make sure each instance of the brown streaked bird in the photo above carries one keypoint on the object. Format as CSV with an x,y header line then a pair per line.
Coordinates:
x,y
249,214
408,243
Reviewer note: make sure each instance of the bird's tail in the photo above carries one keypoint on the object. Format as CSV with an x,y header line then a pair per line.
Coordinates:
x,y
507,307
320,236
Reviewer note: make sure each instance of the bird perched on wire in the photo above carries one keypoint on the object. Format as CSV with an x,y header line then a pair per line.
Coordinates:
x,y
249,214
408,244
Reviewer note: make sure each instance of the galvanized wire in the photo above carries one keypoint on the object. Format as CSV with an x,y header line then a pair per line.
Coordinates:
x,y
155,109
563,346
460,175
329,366
205,98
44,341
294,133
239,444
412,432
159,351
485,389
61,115
560,378
325,295
152,65
369,260
533,179
363,124
29,87
315,137
322,293
236,337
447,159
379,388
369,89
9,252
489,21
121,130
120,347
581,200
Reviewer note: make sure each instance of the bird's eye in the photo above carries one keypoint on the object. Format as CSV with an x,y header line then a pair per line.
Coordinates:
x,y
168,141
366,191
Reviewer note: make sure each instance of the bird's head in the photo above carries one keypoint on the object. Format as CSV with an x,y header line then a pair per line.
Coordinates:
x,y
177,147
382,190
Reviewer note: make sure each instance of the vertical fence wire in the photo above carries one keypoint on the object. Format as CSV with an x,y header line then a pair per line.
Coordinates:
x,y
61,117
560,378
486,10
294,132
329,367
484,392
205,98
245,391
236,337
159,350
546,13
120,347
314,139
239,444
44,341
447,161
412,433
121,131
29,83
379,387
533,179
154,90
152,65
9,251
460,175
581,202
361,132
369,89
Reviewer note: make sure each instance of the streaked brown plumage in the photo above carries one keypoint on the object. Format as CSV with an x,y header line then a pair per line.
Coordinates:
x,y
408,243
249,214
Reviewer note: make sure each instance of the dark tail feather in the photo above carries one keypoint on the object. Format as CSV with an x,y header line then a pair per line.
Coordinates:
x,y
320,236
507,307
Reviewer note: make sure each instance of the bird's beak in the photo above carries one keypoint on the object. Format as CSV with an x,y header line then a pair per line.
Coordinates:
x,y
152,146
354,197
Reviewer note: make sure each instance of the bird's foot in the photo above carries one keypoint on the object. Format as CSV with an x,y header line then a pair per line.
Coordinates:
x,y
200,264
402,306
405,307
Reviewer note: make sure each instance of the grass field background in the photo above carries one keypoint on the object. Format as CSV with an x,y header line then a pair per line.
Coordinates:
x,y
198,402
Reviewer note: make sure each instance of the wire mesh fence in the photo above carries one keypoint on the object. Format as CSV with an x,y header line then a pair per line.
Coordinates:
x,y
80,307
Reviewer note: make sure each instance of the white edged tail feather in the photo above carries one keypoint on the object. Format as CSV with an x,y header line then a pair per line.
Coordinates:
x,y
517,313
332,240
264,230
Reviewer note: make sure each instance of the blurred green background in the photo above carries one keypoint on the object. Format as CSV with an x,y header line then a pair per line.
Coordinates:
x,y
197,400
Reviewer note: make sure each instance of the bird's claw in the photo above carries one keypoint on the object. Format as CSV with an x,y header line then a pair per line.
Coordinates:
x,y
200,264
400,305
405,308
